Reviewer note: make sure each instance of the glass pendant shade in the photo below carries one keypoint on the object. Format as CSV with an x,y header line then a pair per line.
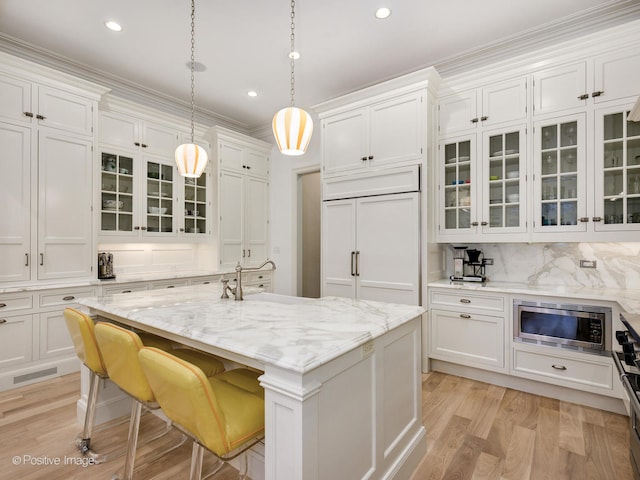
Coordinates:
x,y
191,160
292,128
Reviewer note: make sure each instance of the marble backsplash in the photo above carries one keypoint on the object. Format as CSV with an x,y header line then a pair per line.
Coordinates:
x,y
618,264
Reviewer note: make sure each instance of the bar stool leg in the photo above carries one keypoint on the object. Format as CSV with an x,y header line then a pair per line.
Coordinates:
x,y
83,442
196,462
132,441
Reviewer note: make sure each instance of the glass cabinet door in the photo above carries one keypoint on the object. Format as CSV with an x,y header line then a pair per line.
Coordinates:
x,y
195,204
618,156
503,175
159,197
116,193
559,171
458,191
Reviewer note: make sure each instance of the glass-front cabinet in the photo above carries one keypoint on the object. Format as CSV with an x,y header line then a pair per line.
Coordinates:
x,y
560,175
145,195
617,182
457,191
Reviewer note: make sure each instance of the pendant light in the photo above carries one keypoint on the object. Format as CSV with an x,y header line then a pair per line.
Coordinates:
x,y
292,126
191,158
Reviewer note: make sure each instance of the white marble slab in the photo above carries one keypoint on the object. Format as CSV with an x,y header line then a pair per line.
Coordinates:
x,y
293,333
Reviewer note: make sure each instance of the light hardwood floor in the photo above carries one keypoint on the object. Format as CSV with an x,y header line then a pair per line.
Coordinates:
x,y
475,431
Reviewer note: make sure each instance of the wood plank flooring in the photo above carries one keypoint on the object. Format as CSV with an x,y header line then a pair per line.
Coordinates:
x,y
475,431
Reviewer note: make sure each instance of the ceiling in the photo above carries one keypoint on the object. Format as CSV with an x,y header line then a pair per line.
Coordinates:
x,y
244,44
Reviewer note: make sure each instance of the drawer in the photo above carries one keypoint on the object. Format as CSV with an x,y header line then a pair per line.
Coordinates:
x,y
212,279
15,301
467,300
256,277
169,284
577,371
124,288
64,296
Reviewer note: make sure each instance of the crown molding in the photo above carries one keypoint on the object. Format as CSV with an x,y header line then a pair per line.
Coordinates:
x,y
119,87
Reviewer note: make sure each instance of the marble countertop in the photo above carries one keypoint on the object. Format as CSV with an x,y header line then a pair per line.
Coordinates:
x,y
629,300
120,279
293,333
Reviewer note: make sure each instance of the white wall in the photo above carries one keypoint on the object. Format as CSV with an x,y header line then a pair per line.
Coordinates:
x,y
283,191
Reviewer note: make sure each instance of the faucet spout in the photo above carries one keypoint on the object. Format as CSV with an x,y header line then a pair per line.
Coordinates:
x,y
237,290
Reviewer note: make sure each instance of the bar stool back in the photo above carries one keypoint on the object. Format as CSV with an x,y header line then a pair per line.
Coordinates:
x,y
223,413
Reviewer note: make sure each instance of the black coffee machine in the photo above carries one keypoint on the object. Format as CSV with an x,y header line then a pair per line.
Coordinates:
x,y
105,266
468,265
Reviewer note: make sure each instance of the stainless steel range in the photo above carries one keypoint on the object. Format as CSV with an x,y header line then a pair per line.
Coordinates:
x,y
628,363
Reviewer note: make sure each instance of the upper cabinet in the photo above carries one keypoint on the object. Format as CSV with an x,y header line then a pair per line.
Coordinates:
x,y
385,132
34,104
491,105
129,132
46,197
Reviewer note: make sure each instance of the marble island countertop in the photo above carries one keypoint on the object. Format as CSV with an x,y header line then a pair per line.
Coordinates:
x,y
293,333
629,300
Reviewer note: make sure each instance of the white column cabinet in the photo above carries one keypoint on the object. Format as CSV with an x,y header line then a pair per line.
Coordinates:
x,y
243,198
370,248
366,135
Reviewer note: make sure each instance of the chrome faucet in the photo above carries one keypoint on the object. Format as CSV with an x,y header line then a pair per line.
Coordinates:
x,y
237,290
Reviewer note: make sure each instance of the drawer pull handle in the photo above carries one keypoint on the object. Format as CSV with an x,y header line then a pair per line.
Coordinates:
x,y
68,298
558,367
465,315
584,96
2,305
126,291
465,300
3,320
171,286
206,283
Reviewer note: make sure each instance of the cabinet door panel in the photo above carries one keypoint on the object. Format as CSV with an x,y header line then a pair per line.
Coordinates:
x,y
338,243
256,212
504,102
64,200
559,89
344,141
257,163
65,111
616,76
54,336
16,340
396,130
118,129
159,140
457,112
387,230
15,200
15,99
231,156
231,219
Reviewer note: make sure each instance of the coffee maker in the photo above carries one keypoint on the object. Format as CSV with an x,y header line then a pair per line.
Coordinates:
x,y
468,265
105,266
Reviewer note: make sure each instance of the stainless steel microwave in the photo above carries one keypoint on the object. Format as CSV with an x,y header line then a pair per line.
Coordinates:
x,y
584,327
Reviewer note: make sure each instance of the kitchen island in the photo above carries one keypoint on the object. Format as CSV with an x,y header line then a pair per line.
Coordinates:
x,y
341,376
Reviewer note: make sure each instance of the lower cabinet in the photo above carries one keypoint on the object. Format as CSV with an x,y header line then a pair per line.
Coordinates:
x,y
34,341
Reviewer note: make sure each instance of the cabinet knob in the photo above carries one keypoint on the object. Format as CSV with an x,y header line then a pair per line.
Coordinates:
x,y
370,157
474,120
474,224
583,219
597,93
143,228
3,320
248,167
26,259
484,224
28,114
244,166
41,259
182,229
465,315
2,305
584,96
136,228
465,300
143,145
483,118
137,144
40,117
68,298
364,159
597,219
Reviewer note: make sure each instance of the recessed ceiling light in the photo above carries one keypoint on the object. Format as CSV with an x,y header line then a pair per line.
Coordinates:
x,y
252,93
294,55
112,25
382,13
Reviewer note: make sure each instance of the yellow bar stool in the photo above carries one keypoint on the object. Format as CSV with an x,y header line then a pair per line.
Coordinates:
x,y
81,329
119,348
223,413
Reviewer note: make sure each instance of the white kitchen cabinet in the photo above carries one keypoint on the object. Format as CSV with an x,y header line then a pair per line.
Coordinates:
x,y
560,88
370,248
384,132
494,104
616,76
16,339
243,198
42,105
468,328
482,187
617,182
560,173
121,130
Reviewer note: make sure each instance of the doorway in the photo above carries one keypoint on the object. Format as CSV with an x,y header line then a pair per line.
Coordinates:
x,y
309,210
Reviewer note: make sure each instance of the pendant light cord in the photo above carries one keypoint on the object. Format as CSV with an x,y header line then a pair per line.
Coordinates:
x,y
193,61
291,52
